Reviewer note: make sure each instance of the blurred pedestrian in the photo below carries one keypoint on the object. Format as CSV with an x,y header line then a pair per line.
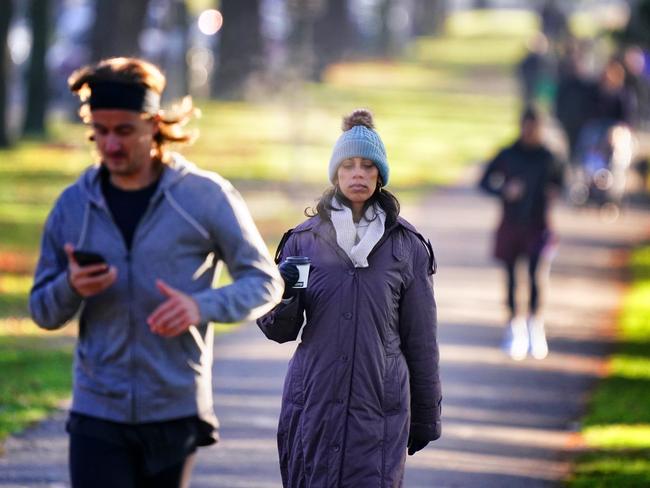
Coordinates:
x,y
637,84
134,246
526,177
554,23
605,144
363,385
534,71
612,103
573,97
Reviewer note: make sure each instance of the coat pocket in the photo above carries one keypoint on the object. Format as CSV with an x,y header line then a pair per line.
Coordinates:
x,y
98,381
392,386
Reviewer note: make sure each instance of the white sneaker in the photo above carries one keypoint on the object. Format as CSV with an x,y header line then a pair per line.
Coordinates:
x,y
538,344
516,340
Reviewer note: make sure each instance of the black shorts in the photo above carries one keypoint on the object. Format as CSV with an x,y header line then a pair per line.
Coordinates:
x,y
515,240
158,445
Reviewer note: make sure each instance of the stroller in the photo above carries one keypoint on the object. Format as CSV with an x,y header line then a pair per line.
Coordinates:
x,y
603,155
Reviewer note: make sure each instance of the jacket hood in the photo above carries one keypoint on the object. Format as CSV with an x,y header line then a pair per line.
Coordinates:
x,y
174,171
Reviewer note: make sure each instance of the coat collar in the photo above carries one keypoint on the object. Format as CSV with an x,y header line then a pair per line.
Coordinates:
x,y
325,230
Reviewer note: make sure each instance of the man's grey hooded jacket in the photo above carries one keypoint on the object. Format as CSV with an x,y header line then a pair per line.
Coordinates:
x,y
123,372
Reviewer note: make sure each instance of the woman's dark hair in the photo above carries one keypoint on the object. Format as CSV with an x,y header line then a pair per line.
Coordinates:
x,y
382,197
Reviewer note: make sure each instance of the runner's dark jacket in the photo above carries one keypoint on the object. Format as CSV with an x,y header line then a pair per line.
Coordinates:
x,y
538,169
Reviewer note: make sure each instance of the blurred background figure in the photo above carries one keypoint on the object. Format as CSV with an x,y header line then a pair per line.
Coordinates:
x,y
534,71
553,22
571,103
604,148
612,101
637,84
525,177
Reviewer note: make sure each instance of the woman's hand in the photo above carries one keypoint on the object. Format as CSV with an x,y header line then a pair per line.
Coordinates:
x,y
290,275
416,441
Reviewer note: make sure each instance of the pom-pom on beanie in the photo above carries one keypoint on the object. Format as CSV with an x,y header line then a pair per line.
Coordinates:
x,y
359,139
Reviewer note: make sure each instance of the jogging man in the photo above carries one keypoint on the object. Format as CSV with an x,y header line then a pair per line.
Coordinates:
x,y
135,246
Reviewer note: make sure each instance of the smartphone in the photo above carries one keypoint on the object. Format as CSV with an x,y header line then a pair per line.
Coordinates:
x,y
86,258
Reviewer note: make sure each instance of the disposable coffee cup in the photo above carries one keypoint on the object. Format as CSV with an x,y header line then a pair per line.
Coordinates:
x,y
302,263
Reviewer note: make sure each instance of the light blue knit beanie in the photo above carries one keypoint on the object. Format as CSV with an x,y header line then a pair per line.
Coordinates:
x,y
359,139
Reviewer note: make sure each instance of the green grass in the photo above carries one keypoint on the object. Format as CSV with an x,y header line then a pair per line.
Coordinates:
x,y
444,106
617,427
36,376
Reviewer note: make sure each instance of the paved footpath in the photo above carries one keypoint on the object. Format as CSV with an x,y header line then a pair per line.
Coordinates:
x,y
505,423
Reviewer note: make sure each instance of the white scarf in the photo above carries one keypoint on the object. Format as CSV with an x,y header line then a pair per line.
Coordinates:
x,y
357,240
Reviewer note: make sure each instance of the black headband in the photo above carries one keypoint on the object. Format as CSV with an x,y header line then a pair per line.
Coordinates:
x,y
123,96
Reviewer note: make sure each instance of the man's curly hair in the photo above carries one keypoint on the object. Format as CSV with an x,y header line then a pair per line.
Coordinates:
x,y
137,71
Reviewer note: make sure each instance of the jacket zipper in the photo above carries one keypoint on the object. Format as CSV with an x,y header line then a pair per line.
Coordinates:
x,y
132,340
133,327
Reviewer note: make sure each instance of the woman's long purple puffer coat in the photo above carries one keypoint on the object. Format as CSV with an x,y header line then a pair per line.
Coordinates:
x,y
366,370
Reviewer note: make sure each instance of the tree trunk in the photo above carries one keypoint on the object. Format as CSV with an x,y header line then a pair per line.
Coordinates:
x,y
6,10
429,17
117,28
300,43
334,36
37,81
395,29
174,61
240,49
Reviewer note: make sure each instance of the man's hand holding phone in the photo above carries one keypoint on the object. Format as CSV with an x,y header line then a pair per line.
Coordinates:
x,y
89,274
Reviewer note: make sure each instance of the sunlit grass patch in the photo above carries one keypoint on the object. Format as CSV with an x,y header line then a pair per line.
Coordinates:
x,y
20,236
495,53
15,212
36,376
13,294
613,469
619,436
31,158
488,23
602,16
389,74
617,427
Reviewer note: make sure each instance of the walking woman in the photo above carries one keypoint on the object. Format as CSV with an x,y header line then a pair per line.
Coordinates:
x,y
363,384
